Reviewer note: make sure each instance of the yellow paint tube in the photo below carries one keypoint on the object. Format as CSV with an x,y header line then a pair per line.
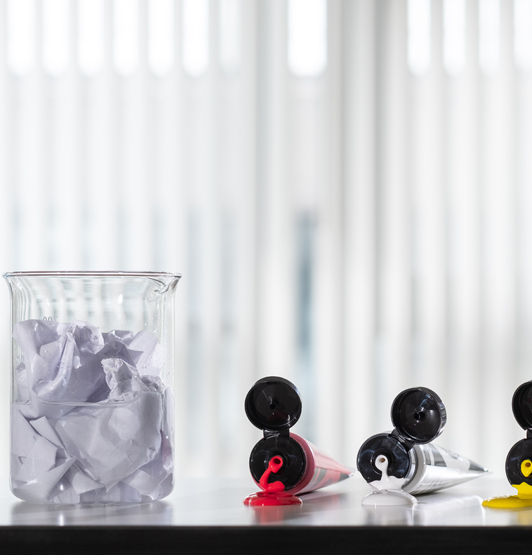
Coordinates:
x,y
519,459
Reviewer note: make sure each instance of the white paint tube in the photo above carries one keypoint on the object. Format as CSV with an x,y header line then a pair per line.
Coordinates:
x,y
413,464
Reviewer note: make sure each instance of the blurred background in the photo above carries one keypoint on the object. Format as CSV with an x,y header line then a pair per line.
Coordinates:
x,y
345,186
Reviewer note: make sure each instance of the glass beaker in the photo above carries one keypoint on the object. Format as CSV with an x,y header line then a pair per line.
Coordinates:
x,y
92,386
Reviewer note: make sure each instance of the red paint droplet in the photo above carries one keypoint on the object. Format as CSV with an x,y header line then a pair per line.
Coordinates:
x,y
274,466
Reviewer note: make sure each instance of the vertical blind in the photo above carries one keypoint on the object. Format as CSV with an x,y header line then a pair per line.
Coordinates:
x,y
344,184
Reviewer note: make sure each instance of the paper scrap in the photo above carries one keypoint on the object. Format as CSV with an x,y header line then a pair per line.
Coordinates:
x,y
40,460
93,419
39,490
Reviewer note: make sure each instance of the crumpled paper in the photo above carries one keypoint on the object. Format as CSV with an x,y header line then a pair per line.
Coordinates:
x,y
92,420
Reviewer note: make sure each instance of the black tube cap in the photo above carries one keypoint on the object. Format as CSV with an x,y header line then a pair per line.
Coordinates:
x,y
520,453
382,444
294,460
273,403
418,415
522,405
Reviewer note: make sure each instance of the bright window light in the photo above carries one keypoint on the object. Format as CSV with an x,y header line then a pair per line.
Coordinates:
x,y
489,36
454,36
307,37
56,27
195,36
126,35
161,36
523,34
90,36
21,17
230,35
419,36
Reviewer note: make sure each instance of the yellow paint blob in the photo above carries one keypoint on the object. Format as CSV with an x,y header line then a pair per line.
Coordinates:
x,y
510,502
522,499
526,468
524,493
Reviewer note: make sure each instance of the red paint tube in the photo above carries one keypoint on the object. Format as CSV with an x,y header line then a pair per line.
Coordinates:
x,y
274,405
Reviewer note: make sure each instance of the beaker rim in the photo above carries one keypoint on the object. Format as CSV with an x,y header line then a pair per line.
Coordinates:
x,y
90,273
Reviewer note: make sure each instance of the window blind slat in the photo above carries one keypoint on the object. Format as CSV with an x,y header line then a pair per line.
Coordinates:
x,y
498,228
276,333
464,242
359,223
394,349
428,192
329,245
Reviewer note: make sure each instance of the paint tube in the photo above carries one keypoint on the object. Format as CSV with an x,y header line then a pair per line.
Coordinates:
x,y
274,405
405,459
519,459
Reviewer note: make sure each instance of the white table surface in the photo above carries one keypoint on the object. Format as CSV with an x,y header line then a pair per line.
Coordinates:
x,y
209,502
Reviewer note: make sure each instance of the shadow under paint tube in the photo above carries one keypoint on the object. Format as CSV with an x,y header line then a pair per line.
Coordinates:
x,y
431,507
318,503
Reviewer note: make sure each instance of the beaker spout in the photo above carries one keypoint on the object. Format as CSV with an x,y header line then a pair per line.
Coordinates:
x,y
168,283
